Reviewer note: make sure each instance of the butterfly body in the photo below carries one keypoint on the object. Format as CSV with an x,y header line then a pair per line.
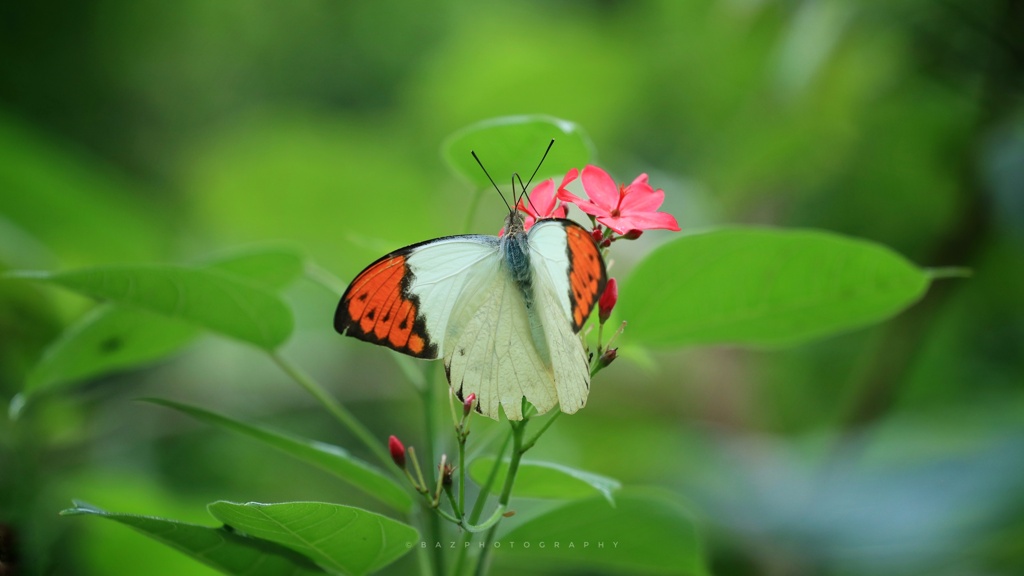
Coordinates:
x,y
503,312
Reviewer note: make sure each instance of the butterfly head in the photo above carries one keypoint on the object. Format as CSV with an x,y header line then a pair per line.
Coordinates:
x,y
515,224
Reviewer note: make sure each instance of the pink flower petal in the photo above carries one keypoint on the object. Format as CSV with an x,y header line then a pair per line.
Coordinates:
x,y
640,200
584,205
571,175
648,221
615,223
587,207
542,198
600,188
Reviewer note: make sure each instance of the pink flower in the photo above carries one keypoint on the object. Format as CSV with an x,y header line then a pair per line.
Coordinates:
x,y
544,200
621,207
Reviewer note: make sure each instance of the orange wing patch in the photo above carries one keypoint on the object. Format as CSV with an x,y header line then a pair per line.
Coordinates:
x,y
377,307
587,275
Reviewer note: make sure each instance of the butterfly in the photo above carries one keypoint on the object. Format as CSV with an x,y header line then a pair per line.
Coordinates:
x,y
503,312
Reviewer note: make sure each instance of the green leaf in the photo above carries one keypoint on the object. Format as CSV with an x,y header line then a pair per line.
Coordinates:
x,y
645,533
208,298
333,459
515,144
272,266
764,287
547,480
219,548
112,337
339,538
108,338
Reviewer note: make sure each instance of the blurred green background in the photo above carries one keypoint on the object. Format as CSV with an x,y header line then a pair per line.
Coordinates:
x,y
170,131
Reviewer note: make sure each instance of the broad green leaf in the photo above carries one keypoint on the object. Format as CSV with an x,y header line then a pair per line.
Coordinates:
x,y
333,459
108,338
209,298
644,533
515,144
271,266
219,548
339,538
547,480
764,287
112,337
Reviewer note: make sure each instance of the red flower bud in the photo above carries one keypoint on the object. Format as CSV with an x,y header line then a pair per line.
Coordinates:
x,y
608,299
397,451
467,404
608,357
632,234
598,234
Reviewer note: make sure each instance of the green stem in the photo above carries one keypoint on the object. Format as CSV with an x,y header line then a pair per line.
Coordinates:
x,y
496,517
485,490
544,428
478,506
506,493
433,527
462,475
456,509
336,409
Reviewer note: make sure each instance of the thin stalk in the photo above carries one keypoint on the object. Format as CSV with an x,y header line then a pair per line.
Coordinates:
x,y
433,526
340,413
485,490
506,493
478,506
544,428
462,477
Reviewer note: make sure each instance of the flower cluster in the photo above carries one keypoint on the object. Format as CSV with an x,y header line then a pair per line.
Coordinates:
x,y
624,210
617,212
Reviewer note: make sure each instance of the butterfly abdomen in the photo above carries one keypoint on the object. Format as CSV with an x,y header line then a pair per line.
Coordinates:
x,y
515,250
516,254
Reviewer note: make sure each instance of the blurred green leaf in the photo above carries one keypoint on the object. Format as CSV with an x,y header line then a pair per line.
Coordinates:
x,y
515,144
547,480
220,548
764,287
333,459
339,538
645,533
108,338
208,298
272,266
112,337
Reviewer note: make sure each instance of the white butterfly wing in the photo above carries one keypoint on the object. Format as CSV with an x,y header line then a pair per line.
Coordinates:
x,y
454,298
405,299
504,350
492,352
569,276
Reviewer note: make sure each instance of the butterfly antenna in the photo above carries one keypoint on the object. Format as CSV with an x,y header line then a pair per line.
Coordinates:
x,y
539,164
523,187
486,173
